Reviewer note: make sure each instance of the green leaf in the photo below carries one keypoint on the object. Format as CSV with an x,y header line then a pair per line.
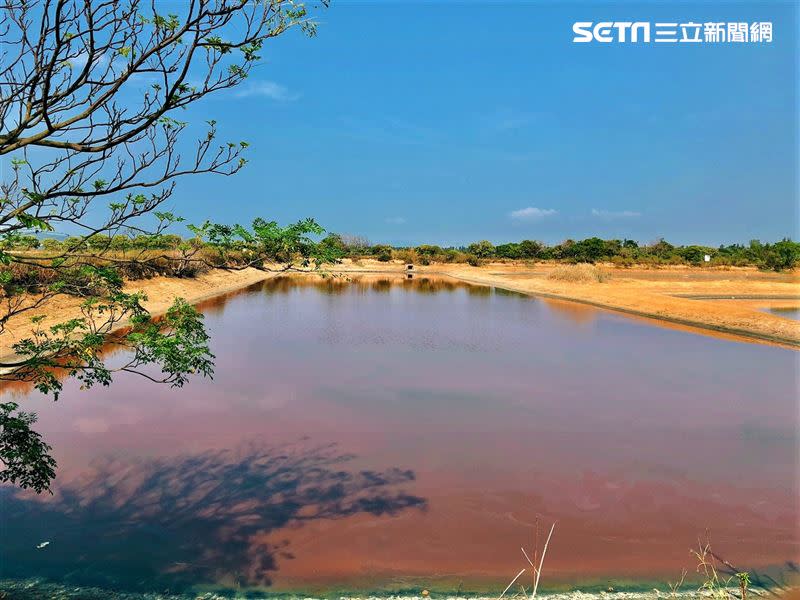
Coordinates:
x,y
32,222
25,456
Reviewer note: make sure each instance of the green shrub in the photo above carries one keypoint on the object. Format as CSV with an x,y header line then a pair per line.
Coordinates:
x,y
429,250
782,255
51,244
511,251
482,249
23,242
530,249
378,249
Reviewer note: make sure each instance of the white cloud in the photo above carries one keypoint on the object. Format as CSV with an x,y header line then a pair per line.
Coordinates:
x,y
266,89
615,214
532,213
79,62
396,220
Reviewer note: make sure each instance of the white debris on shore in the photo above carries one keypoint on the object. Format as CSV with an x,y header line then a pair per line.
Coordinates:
x,y
574,595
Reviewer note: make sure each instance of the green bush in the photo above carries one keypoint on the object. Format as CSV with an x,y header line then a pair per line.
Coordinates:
x,y
378,249
51,244
530,249
429,250
25,242
782,255
482,249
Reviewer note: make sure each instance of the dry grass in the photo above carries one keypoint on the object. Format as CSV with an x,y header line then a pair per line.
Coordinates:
x,y
34,267
719,579
535,571
580,273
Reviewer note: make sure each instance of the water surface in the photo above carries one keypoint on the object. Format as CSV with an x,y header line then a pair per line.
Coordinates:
x,y
788,312
390,433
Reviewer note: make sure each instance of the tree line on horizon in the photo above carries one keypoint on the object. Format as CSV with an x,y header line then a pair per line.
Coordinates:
x,y
777,256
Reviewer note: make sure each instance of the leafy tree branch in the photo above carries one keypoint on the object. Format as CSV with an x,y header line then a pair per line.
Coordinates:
x,y
93,133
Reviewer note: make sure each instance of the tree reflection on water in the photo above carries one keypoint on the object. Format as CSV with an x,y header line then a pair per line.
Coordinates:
x,y
170,523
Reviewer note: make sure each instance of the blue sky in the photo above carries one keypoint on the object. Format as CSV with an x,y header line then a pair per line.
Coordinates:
x,y
448,122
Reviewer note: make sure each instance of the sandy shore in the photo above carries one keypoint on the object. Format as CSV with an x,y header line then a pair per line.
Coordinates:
x,y
160,291
731,303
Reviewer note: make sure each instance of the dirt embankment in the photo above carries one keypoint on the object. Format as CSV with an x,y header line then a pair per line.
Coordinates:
x,y
731,302
160,291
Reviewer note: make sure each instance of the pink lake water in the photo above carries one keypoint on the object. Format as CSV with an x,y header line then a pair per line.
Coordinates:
x,y
386,433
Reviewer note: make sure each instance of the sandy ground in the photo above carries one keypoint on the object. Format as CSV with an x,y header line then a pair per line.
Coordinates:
x,y
160,291
729,302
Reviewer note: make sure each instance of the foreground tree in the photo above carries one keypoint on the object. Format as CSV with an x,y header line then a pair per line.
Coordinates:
x,y
89,92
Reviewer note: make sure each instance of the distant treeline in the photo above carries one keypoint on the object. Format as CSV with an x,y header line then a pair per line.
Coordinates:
x,y
167,241
777,256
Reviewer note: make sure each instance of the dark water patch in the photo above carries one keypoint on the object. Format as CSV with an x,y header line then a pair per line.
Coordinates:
x,y
168,524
